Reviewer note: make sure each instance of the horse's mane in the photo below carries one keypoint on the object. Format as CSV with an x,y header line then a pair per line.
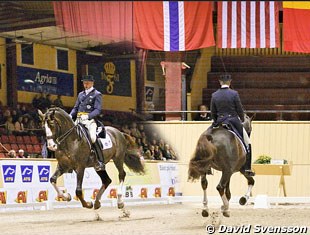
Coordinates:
x,y
60,110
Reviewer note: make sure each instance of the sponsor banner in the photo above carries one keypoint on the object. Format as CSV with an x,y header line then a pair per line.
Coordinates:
x,y
47,81
169,175
25,174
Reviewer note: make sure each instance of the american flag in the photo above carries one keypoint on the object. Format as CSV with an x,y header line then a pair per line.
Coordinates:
x,y
248,24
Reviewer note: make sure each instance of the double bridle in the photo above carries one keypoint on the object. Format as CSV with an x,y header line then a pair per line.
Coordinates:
x,y
61,138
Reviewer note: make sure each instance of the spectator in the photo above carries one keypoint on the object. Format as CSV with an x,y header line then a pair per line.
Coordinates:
x,y
21,154
58,102
168,153
149,153
47,102
158,155
9,125
24,110
125,129
36,101
12,154
18,110
6,114
203,115
134,130
14,115
19,127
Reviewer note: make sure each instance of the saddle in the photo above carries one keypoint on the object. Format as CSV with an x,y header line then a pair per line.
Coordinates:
x,y
233,131
100,133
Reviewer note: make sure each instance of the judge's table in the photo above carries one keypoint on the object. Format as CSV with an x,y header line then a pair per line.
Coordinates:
x,y
275,169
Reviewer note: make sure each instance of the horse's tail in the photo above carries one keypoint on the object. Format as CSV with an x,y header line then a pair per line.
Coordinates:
x,y
132,157
204,152
130,141
133,161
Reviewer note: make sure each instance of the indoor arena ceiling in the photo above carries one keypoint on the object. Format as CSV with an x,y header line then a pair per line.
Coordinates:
x,y
34,22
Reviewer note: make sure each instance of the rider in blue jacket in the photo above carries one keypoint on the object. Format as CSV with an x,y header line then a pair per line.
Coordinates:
x,y
87,107
226,108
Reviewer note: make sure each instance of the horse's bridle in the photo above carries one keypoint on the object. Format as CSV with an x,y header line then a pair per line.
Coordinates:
x,y
61,138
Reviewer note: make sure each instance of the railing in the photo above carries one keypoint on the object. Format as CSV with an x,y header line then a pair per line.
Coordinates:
x,y
183,116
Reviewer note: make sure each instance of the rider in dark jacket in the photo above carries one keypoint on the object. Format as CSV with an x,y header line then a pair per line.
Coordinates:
x,y
87,107
226,108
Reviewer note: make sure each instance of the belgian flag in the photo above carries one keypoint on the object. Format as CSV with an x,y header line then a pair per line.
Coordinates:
x,y
296,26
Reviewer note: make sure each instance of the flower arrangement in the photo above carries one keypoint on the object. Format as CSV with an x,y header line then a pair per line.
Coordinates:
x,y
263,159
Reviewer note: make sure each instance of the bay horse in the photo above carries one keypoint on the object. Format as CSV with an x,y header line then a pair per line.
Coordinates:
x,y
73,153
221,150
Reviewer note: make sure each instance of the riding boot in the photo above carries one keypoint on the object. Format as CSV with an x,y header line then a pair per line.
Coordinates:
x,y
99,165
248,162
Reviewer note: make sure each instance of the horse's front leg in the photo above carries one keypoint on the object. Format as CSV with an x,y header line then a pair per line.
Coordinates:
x,y
53,181
243,200
204,185
106,181
78,190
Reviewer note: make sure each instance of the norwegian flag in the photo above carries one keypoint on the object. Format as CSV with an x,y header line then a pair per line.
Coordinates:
x,y
173,25
248,24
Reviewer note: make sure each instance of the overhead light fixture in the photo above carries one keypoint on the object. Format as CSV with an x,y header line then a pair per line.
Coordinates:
x,y
93,53
15,40
61,48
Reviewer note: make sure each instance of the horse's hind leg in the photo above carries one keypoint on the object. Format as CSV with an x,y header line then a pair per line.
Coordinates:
x,y
106,181
53,181
204,185
243,200
221,188
121,178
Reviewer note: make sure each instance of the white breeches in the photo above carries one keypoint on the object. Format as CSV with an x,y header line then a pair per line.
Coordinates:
x,y
91,126
246,138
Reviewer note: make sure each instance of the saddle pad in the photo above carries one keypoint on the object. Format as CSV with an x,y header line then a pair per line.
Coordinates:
x,y
106,142
243,147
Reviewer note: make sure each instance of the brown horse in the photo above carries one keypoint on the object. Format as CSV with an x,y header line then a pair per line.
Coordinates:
x,y
73,153
220,149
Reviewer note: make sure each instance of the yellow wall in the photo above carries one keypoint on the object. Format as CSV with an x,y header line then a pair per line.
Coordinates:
x,y
199,79
3,93
45,58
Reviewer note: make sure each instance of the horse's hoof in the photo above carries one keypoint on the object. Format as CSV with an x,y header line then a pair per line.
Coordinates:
x,y
226,213
67,197
89,205
205,213
125,214
243,201
97,205
120,205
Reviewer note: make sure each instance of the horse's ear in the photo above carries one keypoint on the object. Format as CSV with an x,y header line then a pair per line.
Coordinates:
x,y
252,118
41,115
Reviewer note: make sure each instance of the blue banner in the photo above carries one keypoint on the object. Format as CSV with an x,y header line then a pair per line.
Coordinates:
x,y
47,81
26,173
112,77
44,173
9,172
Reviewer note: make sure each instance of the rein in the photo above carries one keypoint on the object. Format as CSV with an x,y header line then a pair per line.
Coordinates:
x,y
64,136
